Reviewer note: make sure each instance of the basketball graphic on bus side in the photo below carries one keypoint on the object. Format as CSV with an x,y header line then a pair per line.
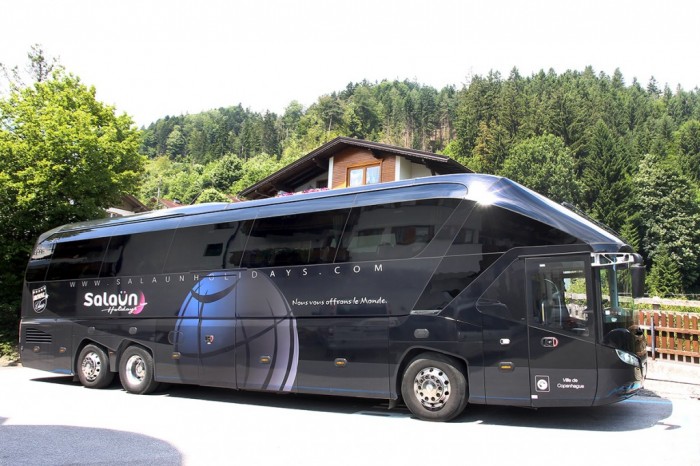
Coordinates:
x,y
262,343
266,333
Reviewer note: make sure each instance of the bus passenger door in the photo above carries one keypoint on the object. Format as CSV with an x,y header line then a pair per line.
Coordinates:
x,y
562,331
505,338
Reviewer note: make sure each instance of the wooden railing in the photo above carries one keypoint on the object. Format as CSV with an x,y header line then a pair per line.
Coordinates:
x,y
673,336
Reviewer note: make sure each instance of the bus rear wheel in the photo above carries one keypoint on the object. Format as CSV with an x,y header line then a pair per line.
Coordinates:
x,y
93,368
136,371
434,388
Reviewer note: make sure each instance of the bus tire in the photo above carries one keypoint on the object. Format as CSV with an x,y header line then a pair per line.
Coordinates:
x,y
93,367
136,371
434,388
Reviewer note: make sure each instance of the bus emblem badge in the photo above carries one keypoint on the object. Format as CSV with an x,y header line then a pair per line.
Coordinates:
x,y
39,298
542,383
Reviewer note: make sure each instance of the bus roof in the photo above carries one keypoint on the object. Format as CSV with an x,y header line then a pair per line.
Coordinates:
x,y
484,189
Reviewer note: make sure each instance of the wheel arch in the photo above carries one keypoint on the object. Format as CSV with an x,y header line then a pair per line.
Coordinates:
x,y
116,356
412,353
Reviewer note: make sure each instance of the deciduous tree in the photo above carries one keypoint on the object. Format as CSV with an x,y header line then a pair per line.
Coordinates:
x,y
670,215
64,157
544,164
212,195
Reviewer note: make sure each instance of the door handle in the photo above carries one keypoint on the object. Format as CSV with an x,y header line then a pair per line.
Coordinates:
x,y
549,342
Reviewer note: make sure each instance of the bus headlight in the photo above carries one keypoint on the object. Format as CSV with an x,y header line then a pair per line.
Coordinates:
x,y
628,358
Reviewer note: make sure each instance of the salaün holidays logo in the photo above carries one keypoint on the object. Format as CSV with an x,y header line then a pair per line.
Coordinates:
x,y
39,299
129,303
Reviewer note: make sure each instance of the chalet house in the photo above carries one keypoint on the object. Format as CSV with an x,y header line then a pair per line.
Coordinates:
x,y
157,203
345,162
162,203
128,205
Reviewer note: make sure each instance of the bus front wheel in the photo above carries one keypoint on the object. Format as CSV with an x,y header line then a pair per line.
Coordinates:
x,y
136,371
93,367
434,388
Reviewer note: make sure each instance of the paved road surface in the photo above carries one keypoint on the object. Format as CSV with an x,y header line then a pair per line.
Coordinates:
x,y
47,419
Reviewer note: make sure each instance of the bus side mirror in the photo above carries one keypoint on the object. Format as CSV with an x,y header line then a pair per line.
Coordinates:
x,y
638,277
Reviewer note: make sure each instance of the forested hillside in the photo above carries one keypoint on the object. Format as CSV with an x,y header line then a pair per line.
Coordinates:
x,y
626,153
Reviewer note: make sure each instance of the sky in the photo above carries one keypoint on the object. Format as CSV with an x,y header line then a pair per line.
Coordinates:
x,y
152,58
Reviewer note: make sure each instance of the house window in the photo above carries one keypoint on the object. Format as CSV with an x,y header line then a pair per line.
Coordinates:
x,y
369,174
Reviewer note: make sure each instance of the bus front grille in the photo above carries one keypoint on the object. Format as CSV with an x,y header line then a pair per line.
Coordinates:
x,y
33,335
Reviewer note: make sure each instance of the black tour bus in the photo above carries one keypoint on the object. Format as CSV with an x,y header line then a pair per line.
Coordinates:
x,y
438,291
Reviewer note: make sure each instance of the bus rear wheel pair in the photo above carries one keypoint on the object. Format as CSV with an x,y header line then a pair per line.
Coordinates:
x,y
136,369
434,388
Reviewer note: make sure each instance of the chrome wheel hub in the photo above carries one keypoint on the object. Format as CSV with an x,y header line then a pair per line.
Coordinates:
x,y
91,367
135,370
432,388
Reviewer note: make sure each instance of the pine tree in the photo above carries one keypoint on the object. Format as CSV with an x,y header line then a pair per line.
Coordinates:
x,y
665,279
490,150
630,232
606,177
686,144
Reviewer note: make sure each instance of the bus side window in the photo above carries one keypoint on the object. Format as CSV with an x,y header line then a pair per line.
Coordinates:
x,y
560,298
288,240
504,298
490,229
39,262
487,232
393,231
235,247
137,254
200,247
77,259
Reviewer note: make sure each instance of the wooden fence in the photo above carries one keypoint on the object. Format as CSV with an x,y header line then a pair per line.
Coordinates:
x,y
672,336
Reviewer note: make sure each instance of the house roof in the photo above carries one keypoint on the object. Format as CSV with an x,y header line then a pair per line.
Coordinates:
x,y
167,203
313,164
133,204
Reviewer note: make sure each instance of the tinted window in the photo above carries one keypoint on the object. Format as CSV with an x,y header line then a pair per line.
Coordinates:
x,y
560,297
77,259
200,247
310,238
236,244
505,297
452,276
393,231
137,254
493,229
39,262
487,232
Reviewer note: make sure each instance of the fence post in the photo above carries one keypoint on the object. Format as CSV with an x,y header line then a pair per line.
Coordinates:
x,y
656,307
653,337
